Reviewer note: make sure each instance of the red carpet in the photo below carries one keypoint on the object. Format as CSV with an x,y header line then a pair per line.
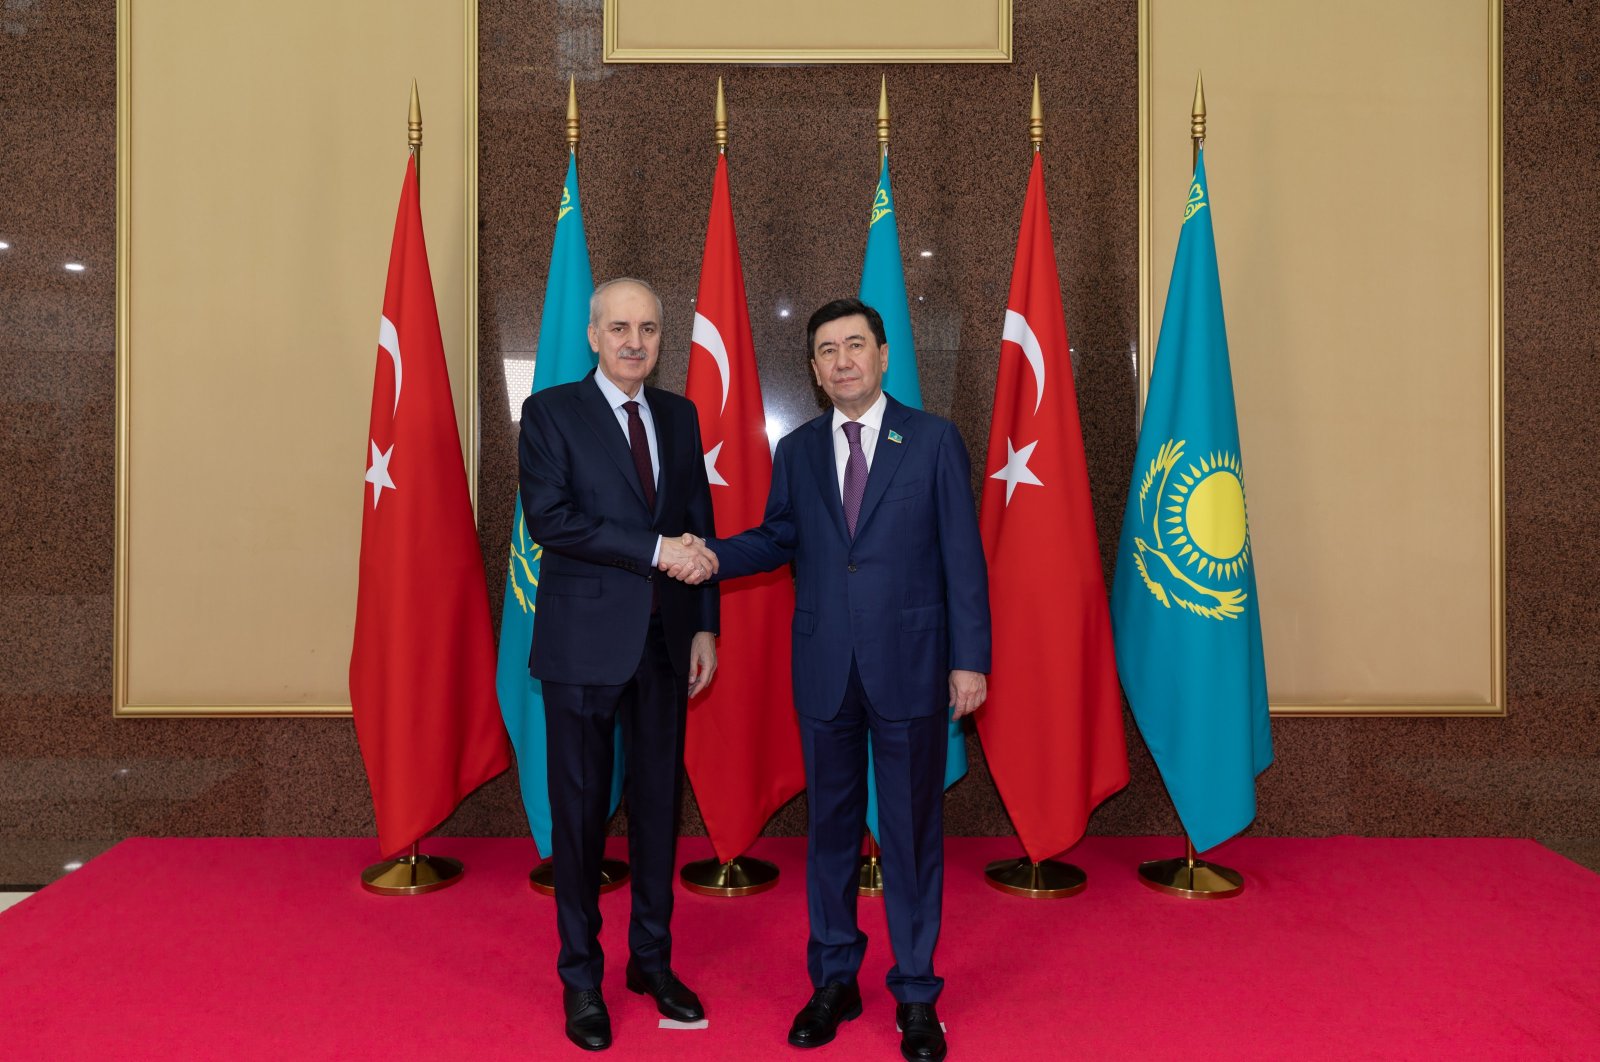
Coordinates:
x,y
268,948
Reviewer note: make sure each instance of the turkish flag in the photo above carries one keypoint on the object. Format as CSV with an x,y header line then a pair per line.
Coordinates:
x,y
743,746
422,669
1052,726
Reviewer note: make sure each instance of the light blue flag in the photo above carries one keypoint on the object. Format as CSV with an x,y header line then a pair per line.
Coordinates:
x,y
883,287
563,355
1184,611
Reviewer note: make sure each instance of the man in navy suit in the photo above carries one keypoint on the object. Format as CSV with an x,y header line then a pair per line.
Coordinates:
x,y
611,475
873,503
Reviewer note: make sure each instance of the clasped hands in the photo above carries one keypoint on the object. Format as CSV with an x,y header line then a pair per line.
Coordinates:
x,y
688,559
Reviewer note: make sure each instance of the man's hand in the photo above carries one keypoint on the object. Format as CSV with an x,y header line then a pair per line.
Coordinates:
x,y
688,559
702,661
967,691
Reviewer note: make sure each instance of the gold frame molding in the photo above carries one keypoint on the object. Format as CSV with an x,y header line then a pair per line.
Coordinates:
x,y
1496,706
120,707
612,52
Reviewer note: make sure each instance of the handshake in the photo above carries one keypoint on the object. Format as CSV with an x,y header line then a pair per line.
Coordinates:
x,y
687,559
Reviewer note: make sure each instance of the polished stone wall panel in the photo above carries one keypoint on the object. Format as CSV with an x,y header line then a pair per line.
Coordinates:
x,y
73,780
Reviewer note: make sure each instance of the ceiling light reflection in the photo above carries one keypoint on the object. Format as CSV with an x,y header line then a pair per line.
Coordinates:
x,y
519,384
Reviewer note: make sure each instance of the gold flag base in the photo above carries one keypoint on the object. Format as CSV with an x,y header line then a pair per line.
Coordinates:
x,y
739,876
1191,878
613,875
871,875
411,874
1049,880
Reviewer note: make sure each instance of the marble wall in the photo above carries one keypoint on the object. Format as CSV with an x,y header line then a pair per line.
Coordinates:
x,y
73,780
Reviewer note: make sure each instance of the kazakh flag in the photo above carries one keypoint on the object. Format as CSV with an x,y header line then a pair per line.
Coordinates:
x,y
1184,611
883,287
563,355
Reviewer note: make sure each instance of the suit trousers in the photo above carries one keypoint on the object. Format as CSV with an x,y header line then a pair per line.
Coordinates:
x,y
909,761
580,723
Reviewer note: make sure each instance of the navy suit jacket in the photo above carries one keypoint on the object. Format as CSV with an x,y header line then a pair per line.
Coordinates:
x,y
907,598
583,503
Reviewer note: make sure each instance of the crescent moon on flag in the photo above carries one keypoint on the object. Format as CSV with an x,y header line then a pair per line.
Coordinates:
x,y
389,340
707,336
1018,331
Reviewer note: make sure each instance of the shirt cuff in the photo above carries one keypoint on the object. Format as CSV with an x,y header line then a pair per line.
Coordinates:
x,y
655,559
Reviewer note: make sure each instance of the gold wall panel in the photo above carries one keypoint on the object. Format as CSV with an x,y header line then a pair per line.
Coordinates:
x,y
1353,154
260,154
818,31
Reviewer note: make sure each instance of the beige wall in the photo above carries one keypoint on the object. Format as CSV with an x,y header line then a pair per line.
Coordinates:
x,y
838,31
258,192
1353,158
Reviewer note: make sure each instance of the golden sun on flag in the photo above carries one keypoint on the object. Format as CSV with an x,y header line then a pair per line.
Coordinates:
x,y
1209,528
1201,535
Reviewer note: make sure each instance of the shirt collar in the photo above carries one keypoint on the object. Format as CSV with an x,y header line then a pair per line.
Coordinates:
x,y
872,418
615,395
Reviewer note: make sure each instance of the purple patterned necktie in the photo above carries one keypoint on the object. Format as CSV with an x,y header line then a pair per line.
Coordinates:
x,y
855,474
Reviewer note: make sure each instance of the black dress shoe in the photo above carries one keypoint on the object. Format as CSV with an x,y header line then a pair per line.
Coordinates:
x,y
588,1021
921,1036
819,1019
673,998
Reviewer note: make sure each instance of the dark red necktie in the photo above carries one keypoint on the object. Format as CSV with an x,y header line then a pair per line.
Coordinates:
x,y
640,445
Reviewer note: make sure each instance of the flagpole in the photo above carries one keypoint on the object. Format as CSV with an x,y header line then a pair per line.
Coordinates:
x,y
1190,878
412,873
870,882
613,872
743,875
1048,879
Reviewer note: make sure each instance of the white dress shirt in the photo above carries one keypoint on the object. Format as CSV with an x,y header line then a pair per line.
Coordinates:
x,y
616,396
871,426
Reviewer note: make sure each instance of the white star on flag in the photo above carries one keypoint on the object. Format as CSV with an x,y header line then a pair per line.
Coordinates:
x,y
378,474
712,475
1016,469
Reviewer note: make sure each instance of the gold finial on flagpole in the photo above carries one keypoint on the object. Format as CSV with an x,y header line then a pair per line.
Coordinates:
x,y
414,120
1197,116
883,115
414,139
722,120
1036,117
572,114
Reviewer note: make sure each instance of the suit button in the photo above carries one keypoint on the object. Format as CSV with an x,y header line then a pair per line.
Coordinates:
x,y
852,567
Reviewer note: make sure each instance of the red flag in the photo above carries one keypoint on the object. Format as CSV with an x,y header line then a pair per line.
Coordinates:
x,y
1052,727
743,745
422,669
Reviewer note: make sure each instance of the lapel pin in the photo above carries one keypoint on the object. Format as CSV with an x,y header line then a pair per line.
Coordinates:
x,y
894,436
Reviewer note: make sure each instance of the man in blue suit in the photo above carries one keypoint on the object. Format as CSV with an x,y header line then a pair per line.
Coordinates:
x,y
611,474
873,503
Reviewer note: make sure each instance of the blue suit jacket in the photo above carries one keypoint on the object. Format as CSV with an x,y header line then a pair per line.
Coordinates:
x,y
582,501
908,597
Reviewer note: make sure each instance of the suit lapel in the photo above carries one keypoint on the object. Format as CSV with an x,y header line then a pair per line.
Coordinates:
x,y
885,459
603,421
826,469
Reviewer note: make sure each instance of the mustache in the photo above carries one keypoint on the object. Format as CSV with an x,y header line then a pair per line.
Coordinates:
x,y
632,353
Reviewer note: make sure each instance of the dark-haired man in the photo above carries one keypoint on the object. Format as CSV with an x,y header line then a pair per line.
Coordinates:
x,y
873,502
